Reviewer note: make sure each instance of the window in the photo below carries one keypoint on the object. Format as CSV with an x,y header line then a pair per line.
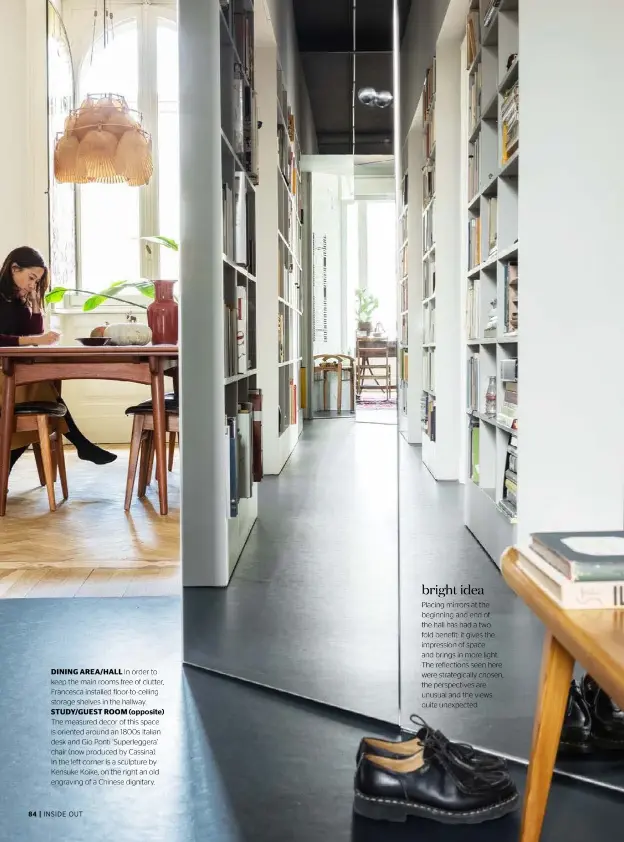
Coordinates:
x,y
112,218
381,259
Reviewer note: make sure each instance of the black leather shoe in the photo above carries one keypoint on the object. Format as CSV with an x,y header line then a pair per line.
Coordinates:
x,y
462,753
577,724
607,719
431,785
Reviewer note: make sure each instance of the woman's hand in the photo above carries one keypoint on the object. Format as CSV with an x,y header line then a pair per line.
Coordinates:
x,y
48,338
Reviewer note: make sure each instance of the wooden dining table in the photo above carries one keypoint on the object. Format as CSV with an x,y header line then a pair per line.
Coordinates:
x,y
146,364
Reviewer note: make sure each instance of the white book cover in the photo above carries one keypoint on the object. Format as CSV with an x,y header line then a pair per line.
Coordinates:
x,y
238,137
245,474
226,471
240,219
569,594
241,328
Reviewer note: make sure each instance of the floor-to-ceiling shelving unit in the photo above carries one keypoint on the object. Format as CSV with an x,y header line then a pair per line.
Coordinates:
x,y
239,170
290,299
428,362
492,272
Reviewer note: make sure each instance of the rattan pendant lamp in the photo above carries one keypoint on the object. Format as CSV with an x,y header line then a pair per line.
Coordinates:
x,y
104,141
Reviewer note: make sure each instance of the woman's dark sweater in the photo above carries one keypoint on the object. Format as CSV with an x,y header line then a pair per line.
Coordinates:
x,y
16,320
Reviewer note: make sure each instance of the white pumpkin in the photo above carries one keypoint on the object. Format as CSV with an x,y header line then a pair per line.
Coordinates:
x,y
128,333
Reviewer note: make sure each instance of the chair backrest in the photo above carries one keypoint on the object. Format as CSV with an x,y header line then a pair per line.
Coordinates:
x,y
334,359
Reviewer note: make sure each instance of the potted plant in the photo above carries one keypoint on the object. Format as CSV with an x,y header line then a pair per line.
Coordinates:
x,y
366,304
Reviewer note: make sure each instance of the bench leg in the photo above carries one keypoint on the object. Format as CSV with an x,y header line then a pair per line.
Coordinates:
x,y
555,678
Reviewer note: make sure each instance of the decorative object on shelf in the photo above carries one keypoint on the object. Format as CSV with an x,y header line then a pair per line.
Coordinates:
x,y
129,332
490,397
162,314
492,323
366,305
104,142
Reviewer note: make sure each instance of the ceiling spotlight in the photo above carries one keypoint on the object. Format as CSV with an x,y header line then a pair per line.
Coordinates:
x,y
373,98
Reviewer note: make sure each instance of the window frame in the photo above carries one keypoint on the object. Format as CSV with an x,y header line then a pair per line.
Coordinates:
x,y
147,17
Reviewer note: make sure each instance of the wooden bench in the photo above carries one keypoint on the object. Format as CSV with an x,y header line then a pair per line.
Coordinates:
x,y
593,638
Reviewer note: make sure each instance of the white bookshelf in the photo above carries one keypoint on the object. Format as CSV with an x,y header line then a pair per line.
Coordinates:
x,y
491,274
280,308
436,289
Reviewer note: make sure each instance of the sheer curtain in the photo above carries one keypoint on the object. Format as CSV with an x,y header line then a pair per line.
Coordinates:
x,y
381,268
109,213
114,217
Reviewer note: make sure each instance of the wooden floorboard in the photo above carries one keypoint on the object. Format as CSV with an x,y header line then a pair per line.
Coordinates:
x,y
89,547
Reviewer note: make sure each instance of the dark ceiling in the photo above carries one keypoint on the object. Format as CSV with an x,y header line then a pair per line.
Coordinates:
x,y
346,45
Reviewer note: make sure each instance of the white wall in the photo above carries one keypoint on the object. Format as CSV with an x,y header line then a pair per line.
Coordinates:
x,y
23,140
571,215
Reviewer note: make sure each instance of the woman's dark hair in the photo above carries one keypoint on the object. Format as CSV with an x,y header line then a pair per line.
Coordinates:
x,y
23,257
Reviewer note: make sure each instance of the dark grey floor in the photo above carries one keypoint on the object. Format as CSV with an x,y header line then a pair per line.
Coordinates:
x,y
241,765
312,606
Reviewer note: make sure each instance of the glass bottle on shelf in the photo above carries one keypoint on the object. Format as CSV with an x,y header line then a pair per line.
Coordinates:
x,y
490,397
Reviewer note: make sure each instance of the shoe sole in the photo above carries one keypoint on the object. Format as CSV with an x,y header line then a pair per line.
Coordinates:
x,y
388,809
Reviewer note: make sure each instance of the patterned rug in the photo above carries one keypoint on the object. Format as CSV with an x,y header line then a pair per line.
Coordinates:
x,y
380,402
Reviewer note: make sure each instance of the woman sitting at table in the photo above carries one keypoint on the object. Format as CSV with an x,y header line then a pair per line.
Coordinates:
x,y
23,284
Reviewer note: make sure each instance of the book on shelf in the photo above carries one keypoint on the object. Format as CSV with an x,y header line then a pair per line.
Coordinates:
x,y
474,242
429,278
251,135
245,450
510,122
428,175
473,168
232,427
405,190
429,89
404,294
474,98
230,319
472,308
582,556
240,220
473,37
244,38
570,594
280,339
227,208
492,205
428,416
241,329
429,323
474,450
238,113
510,282
428,233
472,383
255,398
490,11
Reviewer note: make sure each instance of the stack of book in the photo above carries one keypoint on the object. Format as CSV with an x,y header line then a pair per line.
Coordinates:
x,y
473,37
473,170
510,120
472,309
509,500
577,569
474,242
511,297
490,11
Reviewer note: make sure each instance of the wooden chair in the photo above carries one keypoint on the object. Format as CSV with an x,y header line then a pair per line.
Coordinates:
x,y
142,444
45,418
377,350
338,364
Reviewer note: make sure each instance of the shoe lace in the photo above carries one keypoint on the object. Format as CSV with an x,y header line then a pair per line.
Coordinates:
x,y
440,745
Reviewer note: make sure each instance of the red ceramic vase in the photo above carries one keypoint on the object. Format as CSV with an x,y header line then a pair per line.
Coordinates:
x,y
162,314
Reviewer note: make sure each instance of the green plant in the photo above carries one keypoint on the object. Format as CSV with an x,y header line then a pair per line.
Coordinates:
x,y
144,286
366,304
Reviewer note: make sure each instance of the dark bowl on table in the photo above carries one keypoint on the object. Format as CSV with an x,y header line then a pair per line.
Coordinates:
x,y
94,341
